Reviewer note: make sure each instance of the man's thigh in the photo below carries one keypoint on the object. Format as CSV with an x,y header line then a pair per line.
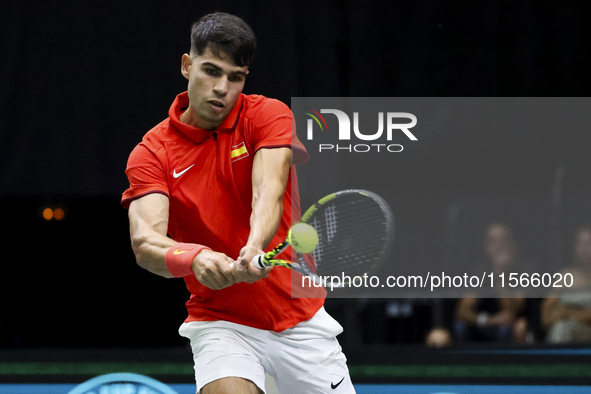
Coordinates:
x,y
297,375
231,385
309,359
224,360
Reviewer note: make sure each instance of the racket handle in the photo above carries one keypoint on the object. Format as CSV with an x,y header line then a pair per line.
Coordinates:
x,y
258,261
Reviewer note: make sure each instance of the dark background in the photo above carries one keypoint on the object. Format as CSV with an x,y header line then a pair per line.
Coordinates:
x,y
81,82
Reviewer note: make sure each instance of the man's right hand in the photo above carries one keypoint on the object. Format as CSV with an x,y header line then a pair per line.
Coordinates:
x,y
214,270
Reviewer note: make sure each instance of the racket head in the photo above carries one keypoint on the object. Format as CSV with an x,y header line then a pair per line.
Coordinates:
x,y
355,234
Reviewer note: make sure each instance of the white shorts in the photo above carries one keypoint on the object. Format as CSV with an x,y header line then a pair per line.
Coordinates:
x,y
303,359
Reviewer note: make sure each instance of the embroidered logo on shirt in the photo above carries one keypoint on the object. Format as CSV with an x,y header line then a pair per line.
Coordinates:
x,y
177,174
238,152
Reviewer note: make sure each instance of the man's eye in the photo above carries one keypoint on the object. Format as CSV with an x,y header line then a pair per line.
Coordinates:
x,y
235,78
211,71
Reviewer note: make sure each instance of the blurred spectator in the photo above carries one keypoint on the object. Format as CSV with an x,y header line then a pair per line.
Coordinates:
x,y
567,314
494,319
438,337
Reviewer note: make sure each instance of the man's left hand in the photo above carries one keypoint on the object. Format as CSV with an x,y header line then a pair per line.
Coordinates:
x,y
246,270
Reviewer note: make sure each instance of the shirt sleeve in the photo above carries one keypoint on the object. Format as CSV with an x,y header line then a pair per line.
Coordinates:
x,y
274,127
146,175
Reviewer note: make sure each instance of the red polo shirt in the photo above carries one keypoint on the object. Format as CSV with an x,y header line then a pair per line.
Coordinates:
x,y
207,176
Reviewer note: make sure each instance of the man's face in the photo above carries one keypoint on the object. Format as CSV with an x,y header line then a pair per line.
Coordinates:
x,y
215,83
500,246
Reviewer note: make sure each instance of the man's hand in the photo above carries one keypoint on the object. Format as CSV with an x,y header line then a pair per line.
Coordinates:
x,y
214,270
245,268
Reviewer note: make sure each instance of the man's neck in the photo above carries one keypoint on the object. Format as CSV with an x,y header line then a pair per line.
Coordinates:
x,y
190,117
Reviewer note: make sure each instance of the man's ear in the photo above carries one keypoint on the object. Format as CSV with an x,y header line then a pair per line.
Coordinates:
x,y
186,63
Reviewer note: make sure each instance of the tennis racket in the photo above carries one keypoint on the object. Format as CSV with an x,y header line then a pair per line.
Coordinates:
x,y
355,231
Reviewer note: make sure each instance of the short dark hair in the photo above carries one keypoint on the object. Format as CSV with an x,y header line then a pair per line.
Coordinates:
x,y
226,33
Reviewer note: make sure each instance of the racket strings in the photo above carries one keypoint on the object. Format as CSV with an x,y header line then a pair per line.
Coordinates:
x,y
353,236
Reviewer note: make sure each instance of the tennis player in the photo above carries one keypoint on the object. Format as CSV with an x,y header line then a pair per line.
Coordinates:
x,y
211,186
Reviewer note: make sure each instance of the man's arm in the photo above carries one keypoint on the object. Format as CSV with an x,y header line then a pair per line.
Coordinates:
x,y
148,225
553,311
510,308
582,315
270,174
466,310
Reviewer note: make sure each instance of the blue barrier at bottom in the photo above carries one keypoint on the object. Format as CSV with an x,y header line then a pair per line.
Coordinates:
x,y
360,388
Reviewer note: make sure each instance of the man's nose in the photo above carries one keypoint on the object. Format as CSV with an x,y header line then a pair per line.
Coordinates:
x,y
221,86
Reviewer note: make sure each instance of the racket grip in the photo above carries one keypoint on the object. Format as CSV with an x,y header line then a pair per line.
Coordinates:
x,y
258,261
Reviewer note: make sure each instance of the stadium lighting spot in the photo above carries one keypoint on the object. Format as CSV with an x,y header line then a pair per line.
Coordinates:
x,y
48,213
58,214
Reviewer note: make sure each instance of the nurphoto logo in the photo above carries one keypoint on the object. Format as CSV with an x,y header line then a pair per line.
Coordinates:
x,y
380,139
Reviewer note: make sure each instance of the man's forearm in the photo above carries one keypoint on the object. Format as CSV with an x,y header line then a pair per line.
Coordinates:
x,y
150,252
148,222
265,218
270,175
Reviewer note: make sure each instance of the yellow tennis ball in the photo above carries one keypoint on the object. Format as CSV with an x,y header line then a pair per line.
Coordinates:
x,y
303,237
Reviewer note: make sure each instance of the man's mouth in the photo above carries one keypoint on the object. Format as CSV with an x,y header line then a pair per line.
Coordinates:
x,y
216,103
